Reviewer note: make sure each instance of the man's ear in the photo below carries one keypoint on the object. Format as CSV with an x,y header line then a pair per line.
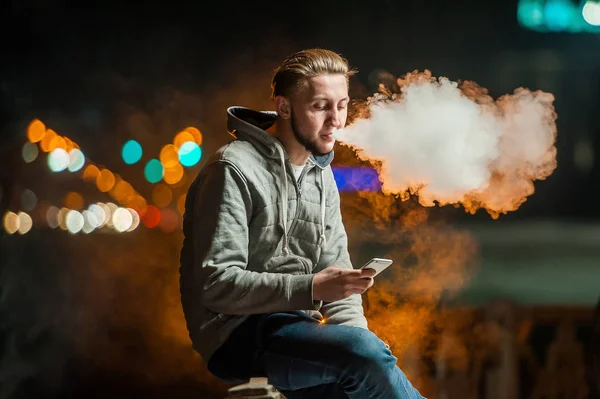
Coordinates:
x,y
282,106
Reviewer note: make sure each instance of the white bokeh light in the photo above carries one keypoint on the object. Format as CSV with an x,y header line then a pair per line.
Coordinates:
x,y
74,221
58,160
76,160
122,219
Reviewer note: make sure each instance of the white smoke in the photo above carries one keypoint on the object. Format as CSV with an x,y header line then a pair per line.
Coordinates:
x,y
450,145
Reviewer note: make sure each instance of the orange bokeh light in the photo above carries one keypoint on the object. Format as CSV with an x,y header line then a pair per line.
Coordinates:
x,y
36,131
74,200
151,217
105,180
138,203
122,191
162,195
196,133
182,137
90,173
169,220
57,142
169,156
45,142
173,175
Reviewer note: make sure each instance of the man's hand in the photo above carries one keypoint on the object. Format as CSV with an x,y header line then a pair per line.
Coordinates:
x,y
334,283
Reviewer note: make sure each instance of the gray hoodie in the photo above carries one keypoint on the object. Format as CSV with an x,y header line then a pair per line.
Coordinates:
x,y
254,236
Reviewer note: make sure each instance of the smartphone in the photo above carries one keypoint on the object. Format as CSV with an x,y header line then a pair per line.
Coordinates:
x,y
378,264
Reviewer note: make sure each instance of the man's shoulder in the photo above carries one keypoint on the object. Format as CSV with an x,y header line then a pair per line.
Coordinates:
x,y
239,151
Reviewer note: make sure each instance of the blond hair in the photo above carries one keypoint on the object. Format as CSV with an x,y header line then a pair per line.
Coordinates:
x,y
305,64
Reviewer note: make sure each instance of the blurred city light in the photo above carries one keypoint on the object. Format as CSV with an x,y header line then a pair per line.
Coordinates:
x,y
162,195
46,140
359,178
11,222
174,175
25,223
58,160
182,137
195,134
74,221
153,171
135,219
591,13
74,200
62,218
559,16
189,154
76,160
168,156
105,180
90,173
90,222
169,220
131,152
52,216
99,213
28,200
30,152
36,131
122,219
151,217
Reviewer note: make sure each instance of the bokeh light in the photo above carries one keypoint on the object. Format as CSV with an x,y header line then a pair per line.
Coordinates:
x,y
135,217
11,222
57,142
153,171
25,222
28,200
99,213
162,195
52,217
182,137
36,131
131,152
45,142
76,160
122,219
138,203
58,160
74,200
195,133
74,221
151,217
109,214
173,175
90,221
29,152
189,154
169,220
168,156
122,191
105,180
62,218
181,204
90,173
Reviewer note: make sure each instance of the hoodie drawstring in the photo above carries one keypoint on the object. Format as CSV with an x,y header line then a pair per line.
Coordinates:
x,y
323,239
284,201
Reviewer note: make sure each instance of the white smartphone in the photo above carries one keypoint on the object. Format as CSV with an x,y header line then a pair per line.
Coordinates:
x,y
378,264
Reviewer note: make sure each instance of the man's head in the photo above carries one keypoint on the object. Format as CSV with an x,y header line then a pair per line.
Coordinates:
x,y
310,91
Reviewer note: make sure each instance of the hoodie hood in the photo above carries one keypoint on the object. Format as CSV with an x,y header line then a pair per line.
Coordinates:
x,y
251,125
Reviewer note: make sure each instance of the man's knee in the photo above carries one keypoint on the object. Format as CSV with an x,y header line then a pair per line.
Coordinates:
x,y
365,350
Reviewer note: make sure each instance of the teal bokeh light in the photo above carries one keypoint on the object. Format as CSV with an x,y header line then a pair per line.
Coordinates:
x,y
132,152
558,14
189,153
154,171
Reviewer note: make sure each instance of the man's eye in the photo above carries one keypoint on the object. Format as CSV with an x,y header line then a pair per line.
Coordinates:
x,y
319,106
342,107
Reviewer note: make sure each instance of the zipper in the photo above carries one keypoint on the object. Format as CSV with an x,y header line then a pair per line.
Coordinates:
x,y
297,185
210,322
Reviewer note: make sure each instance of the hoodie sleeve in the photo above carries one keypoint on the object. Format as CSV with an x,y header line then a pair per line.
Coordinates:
x,y
222,212
348,311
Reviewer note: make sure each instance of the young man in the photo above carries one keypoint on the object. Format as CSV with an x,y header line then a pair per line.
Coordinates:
x,y
267,285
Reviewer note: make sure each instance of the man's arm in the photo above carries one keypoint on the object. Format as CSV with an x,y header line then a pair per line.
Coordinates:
x,y
222,211
348,311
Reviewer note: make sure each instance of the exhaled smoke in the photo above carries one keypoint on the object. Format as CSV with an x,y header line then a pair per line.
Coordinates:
x,y
451,143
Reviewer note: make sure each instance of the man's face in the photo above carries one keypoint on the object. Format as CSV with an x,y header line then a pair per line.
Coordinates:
x,y
318,108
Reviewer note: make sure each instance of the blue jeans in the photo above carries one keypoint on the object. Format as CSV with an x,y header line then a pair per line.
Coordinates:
x,y
305,359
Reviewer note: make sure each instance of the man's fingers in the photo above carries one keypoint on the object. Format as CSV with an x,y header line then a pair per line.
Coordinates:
x,y
367,272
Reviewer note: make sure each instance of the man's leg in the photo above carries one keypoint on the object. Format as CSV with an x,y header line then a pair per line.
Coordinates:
x,y
297,353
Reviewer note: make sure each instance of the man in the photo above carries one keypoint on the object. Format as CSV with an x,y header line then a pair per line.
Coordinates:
x,y
267,285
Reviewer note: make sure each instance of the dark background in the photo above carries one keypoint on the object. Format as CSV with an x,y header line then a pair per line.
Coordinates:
x,y
85,315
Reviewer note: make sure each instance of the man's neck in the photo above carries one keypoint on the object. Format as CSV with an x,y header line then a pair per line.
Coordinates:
x,y
296,151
